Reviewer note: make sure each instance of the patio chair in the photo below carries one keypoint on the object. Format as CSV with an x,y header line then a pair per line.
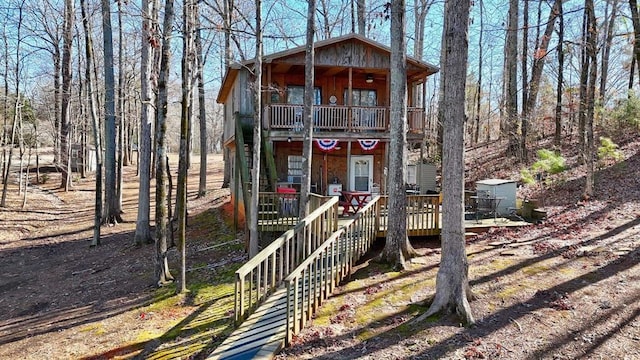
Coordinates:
x,y
485,205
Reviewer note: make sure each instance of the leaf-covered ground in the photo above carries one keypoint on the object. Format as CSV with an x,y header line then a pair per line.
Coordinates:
x,y
566,288
62,299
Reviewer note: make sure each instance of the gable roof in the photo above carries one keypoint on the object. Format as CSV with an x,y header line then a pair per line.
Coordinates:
x,y
232,71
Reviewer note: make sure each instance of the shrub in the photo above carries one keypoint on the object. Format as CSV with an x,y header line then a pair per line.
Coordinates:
x,y
548,162
608,150
628,111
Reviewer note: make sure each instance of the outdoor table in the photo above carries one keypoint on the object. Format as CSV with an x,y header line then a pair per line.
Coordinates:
x,y
354,201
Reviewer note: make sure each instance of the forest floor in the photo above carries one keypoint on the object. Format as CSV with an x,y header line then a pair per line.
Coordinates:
x,y
565,288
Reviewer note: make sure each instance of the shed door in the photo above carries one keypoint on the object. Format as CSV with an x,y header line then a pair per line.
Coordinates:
x,y
361,173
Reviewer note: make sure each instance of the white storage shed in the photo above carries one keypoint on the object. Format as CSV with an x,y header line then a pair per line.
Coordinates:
x,y
505,190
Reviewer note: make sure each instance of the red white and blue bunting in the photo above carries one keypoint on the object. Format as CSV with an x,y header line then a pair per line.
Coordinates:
x,y
327,144
368,144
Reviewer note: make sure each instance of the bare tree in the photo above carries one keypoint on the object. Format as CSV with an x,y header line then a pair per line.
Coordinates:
x,y
202,112
539,59
7,168
452,282
592,64
397,248
584,81
149,43
635,19
183,164
112,210
254,235
97,220
120,108
479,92
5,115
609,20
511,80
524,61
49,34
361,6
307,150
67,34
421,9
228,6
162,274
560,50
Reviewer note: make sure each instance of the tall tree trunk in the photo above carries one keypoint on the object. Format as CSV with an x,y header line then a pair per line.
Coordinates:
x,y
452,282
421,9
226,16
202,105
592,51
635,19
254,235
631,72
97,217
149,42
120,117
361,6
479,93
559,88
307,150
65,113
584,81
326,25
57,70
511,81
7,168
397,248
539,59
606,50
181,200
525,54
5,115
162,274
112,213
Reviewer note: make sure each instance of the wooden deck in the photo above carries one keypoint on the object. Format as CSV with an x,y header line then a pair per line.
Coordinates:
x,y
279,290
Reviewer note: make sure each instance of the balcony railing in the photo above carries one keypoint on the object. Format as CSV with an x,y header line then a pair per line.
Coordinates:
x,y
339,118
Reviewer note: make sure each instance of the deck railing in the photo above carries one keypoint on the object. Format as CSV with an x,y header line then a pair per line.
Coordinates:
x,y
263,273
339,118
423,214
316,277
279,210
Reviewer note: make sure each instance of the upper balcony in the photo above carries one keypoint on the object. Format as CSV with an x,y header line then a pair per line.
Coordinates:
x,y
340,119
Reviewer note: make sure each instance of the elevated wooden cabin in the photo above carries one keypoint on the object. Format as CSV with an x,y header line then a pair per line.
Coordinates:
x,y
350,114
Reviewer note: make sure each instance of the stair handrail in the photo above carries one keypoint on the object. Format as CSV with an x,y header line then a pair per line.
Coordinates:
x,y
330,263
263,273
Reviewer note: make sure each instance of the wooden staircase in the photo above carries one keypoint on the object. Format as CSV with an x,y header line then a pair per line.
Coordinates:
x,y
279,289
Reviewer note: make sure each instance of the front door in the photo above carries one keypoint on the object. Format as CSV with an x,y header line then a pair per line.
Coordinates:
x,y
361,173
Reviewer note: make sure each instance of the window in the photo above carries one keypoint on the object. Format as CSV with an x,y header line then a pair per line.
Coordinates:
x,y
295,95
294,172
362,97
412,174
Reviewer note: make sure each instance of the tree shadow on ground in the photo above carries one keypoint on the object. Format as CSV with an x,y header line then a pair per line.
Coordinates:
x,y
499,319
62,285
194,337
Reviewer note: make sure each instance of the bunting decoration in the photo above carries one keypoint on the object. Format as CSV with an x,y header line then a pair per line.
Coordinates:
x,y
327,144
368,144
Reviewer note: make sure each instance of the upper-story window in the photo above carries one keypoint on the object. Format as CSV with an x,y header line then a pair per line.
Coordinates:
x,y
295,95
362,97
